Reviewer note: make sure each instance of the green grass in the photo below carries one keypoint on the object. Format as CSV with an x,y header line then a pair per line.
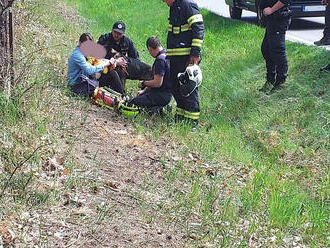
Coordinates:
x,y
261,159
283,137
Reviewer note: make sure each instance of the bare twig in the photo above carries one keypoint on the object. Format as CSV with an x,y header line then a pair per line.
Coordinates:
x,y
19,166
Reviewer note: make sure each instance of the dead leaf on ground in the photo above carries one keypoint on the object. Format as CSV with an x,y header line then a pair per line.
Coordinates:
x,y
50,165
110,184
139,141
83,211
66,172
6,235
60,160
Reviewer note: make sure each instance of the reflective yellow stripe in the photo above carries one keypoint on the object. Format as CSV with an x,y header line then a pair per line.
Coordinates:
x,y
197,42
178,51
133,108
179,111
191,115
177,30
195,18
185,27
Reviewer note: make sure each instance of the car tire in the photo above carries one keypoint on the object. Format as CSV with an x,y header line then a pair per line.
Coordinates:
x,y
235,13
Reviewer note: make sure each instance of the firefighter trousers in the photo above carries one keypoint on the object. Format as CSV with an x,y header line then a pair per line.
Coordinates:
x,y
187,107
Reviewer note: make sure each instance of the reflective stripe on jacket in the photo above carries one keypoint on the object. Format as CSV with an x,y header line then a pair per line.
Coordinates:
x,y
185,30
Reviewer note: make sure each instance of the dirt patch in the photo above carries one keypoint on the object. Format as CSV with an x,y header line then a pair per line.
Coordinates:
x,y
99,175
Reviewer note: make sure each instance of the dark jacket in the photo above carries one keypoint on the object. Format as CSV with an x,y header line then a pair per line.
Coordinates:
x,y
125,46
186,29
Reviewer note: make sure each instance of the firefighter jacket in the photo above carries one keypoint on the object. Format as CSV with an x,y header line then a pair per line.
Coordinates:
x,y
185,30
125,46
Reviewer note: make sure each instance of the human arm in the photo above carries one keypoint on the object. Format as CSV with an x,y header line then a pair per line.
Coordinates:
x,y
88,69
156,82
270,10
159,68
103,39
132,52
195,22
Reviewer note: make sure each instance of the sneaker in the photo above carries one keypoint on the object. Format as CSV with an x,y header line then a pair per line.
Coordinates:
x,y
322,42
325,68
266,87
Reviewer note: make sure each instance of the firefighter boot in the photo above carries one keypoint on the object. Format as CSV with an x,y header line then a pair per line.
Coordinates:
x,y
279,84
266,87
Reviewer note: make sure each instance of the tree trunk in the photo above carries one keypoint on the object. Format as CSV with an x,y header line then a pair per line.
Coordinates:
x,y
6,47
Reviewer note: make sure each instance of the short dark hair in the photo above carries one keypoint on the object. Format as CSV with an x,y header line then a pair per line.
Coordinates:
x,y
153,42
85,36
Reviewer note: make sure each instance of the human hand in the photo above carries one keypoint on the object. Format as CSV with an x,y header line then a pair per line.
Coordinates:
x,y
121,62
141,84
96,75
194,60
267,11
105,62
141,92
324,2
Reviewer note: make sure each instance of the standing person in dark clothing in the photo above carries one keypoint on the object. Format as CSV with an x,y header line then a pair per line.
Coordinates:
x,y
277,18
184,42
155,93
326,32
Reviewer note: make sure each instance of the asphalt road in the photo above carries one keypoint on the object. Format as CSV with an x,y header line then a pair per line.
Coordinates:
x,y
303,30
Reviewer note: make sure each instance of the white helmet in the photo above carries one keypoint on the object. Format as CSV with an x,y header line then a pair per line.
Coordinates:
x,y
190,79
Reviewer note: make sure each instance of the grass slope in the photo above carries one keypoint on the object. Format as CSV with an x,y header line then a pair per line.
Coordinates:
x,y
284,137
258,166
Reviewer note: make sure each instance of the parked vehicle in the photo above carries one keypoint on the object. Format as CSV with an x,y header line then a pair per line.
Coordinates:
x,y
300,8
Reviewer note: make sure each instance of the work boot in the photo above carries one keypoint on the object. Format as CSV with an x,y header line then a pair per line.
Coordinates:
x,y
322,42
277,86
325,68
266,87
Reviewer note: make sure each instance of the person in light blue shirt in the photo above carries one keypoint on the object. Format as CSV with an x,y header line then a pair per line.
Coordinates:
x,y
80,72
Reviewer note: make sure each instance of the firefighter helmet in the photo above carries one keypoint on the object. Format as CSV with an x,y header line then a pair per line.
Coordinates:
x,y
190,79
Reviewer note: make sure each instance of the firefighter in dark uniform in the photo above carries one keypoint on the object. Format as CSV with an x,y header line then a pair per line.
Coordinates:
x,y
155,93
184,42
117,40
277,19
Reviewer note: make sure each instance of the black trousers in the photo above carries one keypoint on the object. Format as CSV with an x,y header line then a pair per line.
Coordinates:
x,y
84,86
326,32
152,99
191,103
273,49
111,80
